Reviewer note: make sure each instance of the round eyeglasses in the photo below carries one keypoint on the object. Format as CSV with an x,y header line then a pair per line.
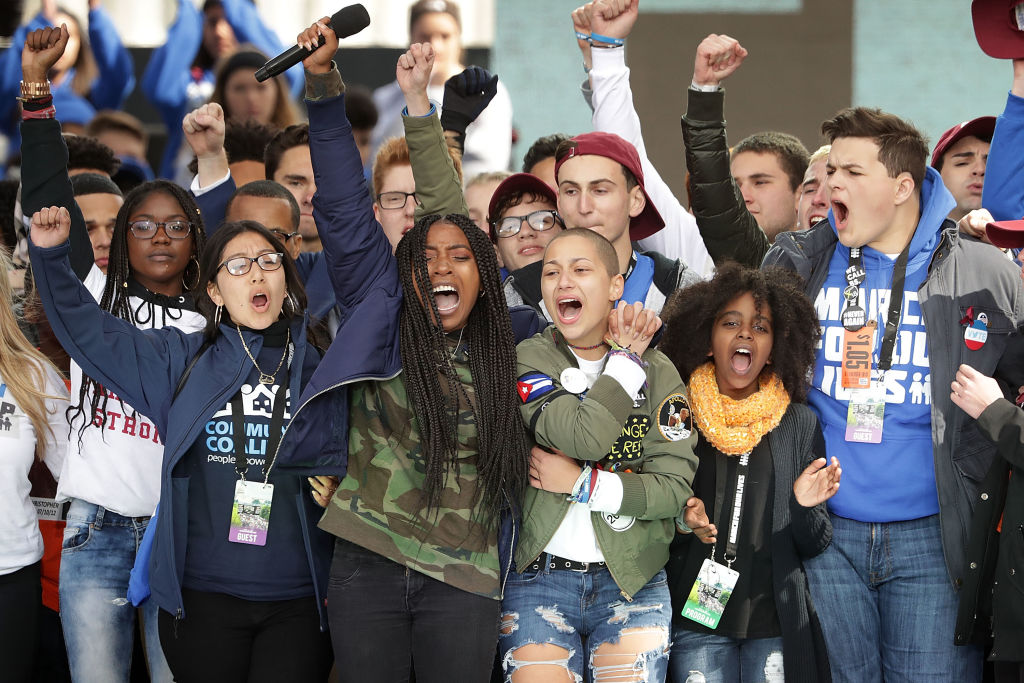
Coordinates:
x,y
146,230
540,221
240,265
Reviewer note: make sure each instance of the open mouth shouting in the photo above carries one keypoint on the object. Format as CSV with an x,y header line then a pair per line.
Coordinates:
x,y
260,302
841,213
447,298
569,309
741,360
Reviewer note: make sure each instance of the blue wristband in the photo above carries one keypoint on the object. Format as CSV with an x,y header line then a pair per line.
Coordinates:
x,y
617,42
582,36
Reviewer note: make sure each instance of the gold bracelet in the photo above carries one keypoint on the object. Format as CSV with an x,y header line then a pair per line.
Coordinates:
x,y
34,90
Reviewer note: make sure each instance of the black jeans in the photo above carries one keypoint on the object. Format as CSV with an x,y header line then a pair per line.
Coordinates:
x,y
388,621
227,639
21,598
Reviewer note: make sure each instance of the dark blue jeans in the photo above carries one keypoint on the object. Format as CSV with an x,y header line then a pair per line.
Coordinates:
x,y
388,620
887,605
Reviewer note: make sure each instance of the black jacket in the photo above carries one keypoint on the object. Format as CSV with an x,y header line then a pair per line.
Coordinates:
x,y
728,229
797,533
992,600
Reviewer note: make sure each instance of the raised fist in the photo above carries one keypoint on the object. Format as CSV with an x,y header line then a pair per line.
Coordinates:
x,y
51,226
43,48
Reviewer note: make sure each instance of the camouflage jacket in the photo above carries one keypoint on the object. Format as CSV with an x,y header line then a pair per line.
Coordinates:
x,y
649,444
380,506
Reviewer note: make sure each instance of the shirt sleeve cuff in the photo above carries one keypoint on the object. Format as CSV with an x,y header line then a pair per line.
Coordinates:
x,y
704,88
433,110
324,86
627,373
607,496
200,191
607,58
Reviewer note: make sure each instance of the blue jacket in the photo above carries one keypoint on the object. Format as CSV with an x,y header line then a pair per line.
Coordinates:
x,y
1003,194
144,366
312,266
110,89
168,76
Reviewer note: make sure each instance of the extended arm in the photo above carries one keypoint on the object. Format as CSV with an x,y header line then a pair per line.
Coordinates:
x,y
44,166
1003,193
727,227
116,66
142,367
612,102
438,186
357,251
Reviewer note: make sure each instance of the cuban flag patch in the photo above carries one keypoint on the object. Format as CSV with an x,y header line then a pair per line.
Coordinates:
x,y
534,385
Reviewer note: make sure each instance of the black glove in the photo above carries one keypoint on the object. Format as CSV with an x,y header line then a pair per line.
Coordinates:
x,y
465,96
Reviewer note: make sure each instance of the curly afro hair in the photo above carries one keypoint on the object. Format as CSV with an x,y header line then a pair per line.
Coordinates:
x,y
690,314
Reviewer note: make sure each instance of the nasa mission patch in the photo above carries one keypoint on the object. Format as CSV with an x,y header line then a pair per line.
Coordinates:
x,y
674,420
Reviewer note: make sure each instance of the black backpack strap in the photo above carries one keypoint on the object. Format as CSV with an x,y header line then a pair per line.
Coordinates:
x,y
188,370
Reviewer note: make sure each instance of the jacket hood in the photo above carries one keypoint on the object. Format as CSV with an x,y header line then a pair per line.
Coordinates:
x,y
936,203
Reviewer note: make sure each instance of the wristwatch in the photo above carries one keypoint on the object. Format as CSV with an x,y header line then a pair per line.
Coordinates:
x,y
34,90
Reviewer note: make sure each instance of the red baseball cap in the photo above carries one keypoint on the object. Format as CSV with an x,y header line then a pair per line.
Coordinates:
x,y
981,127
613,147
515,184
1006,234
999,27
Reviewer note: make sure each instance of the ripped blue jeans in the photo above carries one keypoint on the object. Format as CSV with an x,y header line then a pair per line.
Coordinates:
x,y
707,658
580,621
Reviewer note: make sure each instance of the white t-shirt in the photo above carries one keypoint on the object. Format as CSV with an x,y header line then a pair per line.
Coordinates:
x,y
117,464
21,544
574,538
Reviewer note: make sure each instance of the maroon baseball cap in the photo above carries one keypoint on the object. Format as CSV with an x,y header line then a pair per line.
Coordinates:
x,y
615,148
981,127
999,27
1006,234
518,183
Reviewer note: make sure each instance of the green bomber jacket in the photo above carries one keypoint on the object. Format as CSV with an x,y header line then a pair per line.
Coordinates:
x,y
648,444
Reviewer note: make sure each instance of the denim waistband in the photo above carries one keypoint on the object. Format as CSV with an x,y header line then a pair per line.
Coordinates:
x,y
99,516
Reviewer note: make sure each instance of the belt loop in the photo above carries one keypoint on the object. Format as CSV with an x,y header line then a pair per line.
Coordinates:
x,y
98,519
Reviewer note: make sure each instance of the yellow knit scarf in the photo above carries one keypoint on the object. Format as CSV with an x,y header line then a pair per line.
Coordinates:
x,y
735,427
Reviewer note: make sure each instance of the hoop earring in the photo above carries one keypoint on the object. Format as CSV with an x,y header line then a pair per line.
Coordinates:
x,y
216,317
198,278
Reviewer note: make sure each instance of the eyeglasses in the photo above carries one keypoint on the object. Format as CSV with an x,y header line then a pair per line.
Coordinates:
x,y
282,235
146,230
540,221
240,265
396,200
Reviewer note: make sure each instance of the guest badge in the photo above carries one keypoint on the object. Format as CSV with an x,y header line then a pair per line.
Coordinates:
x,y
865,414
250,512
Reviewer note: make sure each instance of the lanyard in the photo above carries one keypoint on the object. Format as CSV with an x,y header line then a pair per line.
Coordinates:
x,y
853,316
274,437
742,468
638,279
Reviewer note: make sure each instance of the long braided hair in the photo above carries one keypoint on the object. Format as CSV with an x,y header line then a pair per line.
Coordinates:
x,y
504,451
115,295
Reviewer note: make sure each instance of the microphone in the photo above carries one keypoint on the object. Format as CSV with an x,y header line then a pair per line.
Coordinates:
x,y
346,22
